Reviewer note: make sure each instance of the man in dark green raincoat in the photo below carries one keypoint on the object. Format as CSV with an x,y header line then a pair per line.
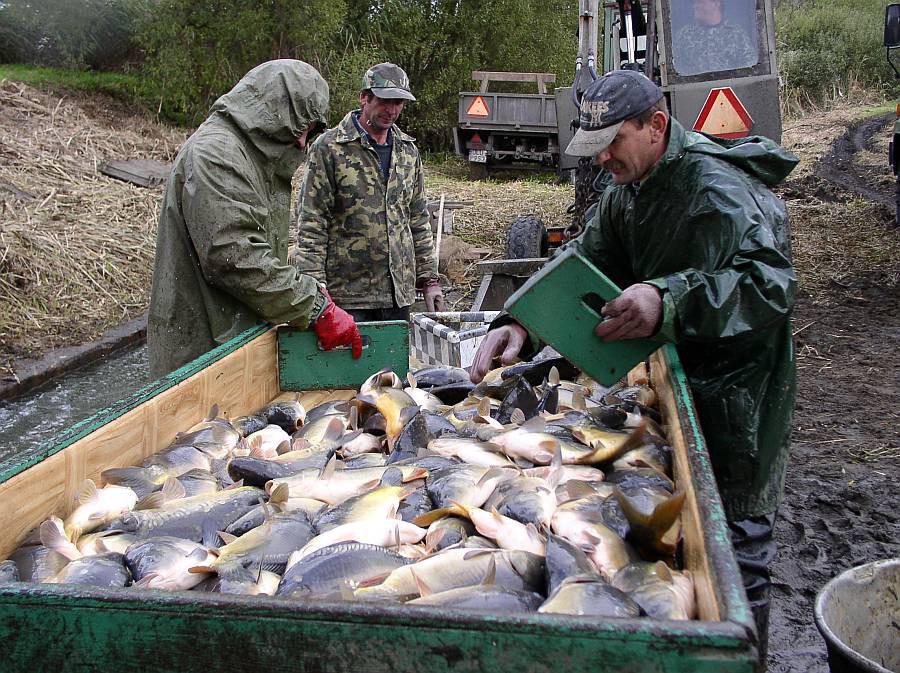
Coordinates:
x,y
691,231
222,246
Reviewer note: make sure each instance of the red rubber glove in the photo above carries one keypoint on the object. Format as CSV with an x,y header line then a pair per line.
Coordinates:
x,y
335,327
434,295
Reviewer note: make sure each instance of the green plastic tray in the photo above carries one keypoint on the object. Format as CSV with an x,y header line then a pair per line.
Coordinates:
x,y
561,305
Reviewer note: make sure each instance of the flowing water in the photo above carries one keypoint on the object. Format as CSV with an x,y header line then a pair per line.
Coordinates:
x,y
31,423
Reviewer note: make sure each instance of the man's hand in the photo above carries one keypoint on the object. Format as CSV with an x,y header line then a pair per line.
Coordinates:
x,y
504,341
335,327
634,314
434,295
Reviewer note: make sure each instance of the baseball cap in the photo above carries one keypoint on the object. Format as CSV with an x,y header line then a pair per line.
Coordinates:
x,y
387,80
608,102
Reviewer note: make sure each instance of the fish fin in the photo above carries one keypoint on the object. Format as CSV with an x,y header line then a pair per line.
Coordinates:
x,y
433,538
73,533
533,532
393,476
209,534
279,493
484,407
213,412
578,401
329,469
346,438
333,432
460,509
87,491
354,418
266,511
147,580
173,489
372,581
517,417
407,414
411,379
490,474
346,591
576,488
201,570
53,536
299,444
133,477
227,538
283,448
491,575
429,518
421,586
664,572
152,501
553,377
415,473
407,491
238,484
536,424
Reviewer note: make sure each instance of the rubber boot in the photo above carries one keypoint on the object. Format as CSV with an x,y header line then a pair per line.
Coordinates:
x,y
754,549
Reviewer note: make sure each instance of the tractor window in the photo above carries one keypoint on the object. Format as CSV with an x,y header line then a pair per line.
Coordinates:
x,y
713,35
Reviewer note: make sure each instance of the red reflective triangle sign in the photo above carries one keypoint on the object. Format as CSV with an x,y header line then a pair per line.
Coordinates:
x,y
724,115
478,108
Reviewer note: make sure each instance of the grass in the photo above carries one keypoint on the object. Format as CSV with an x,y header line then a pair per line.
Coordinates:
x,y
128,88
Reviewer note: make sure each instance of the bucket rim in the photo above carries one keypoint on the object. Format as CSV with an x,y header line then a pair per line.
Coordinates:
x,y
831,639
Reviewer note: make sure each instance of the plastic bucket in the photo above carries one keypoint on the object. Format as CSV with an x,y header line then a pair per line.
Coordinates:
x,y
858,614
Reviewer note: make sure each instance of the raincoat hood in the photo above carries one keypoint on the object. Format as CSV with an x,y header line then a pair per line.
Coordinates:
x,y
274,103
757,156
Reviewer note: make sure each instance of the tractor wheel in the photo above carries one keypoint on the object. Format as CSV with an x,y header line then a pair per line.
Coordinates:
x,y
526,238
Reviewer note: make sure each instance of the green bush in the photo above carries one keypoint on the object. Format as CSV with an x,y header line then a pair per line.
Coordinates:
x,y
96,34
827,46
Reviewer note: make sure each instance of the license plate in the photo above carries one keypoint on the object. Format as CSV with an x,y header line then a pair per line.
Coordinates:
x,y
478,156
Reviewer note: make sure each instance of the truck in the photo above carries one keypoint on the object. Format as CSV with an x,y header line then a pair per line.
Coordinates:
x,y
75,628
724,94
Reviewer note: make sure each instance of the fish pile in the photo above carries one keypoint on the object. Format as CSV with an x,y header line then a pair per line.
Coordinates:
x,y
526,492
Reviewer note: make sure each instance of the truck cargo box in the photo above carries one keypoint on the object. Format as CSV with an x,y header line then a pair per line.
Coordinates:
x,y
70,628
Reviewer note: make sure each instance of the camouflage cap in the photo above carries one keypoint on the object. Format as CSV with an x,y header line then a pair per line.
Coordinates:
x,y
387,80
608,102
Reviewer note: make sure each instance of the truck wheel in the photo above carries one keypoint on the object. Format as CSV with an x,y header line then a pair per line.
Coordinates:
x,y
477,171
526,238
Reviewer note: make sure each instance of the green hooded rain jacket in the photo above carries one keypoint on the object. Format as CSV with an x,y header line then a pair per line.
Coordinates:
x,y
222,246
705,229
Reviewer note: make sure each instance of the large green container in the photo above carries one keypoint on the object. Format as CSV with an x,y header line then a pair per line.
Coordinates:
x,y
59,628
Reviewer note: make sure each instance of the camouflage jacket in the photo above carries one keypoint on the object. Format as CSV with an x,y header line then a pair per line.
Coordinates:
x,y
725,46
367,240
222,244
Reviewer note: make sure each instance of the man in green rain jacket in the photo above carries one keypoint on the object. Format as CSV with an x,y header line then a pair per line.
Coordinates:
x,y
221,252
693,233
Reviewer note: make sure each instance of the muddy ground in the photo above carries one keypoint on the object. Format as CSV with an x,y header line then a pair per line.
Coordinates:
x,y
841,496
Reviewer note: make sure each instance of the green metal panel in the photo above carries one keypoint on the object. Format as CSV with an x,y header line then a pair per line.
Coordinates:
x,y
560,305
68,630
302,365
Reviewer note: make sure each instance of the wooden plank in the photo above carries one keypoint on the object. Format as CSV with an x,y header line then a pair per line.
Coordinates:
x,y
542,79
140,172
695,551
239,383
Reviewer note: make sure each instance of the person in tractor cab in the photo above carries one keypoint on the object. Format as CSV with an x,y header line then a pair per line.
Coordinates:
x,y
693,233
710,42
363,228
222,246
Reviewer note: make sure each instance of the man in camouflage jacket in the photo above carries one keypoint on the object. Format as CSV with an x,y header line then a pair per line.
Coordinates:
x,y
363,228
712,43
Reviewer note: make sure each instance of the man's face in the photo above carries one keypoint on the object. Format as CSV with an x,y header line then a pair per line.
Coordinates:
x,y
380,113
634,151
708,12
